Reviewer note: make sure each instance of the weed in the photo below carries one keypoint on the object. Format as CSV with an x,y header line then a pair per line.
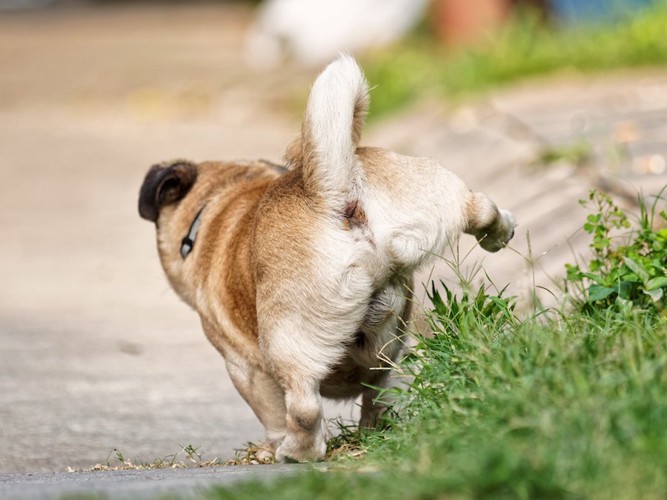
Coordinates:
x,y
347,442
470,310
168,462
625,271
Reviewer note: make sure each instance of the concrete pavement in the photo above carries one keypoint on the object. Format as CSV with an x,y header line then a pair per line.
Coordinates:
x,y
96,352
138,484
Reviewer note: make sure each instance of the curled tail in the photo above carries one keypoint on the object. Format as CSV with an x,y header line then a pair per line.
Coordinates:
x,y
325,151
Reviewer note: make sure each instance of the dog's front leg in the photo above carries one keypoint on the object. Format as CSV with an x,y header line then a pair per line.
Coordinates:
x,y
267,400
258,388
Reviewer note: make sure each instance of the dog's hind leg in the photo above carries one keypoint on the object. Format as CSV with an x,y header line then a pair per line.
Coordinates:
x,y
301,355
377,397
305,439
372,405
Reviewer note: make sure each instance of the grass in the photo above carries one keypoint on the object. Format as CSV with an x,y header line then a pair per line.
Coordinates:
x,y
573,407
565,403
524,48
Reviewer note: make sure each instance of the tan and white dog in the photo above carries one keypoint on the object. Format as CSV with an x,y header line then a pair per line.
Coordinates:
x,y
302,275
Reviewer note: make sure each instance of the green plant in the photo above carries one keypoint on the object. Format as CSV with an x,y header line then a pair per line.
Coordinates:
x,y
524,48
625,271
471,309
578,153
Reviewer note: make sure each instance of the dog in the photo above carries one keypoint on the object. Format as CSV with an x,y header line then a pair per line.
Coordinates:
x,y
302,275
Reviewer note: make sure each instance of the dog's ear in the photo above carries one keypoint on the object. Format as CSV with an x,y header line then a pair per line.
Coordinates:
x,y
163,185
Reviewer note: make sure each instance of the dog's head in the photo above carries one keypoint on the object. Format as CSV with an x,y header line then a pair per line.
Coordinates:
x,y
169,199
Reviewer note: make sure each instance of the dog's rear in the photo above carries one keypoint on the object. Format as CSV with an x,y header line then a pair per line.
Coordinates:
x,y
412,206
372,218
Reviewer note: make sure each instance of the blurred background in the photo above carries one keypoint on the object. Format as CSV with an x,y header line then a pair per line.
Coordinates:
x,y
534,102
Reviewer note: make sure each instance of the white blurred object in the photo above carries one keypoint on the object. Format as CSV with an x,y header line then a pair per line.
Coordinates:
x,y
315,31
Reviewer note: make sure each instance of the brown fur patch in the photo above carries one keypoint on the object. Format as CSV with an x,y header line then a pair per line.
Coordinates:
x,y
218,274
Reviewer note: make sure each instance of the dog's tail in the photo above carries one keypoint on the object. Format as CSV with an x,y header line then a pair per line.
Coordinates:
x,y
325,151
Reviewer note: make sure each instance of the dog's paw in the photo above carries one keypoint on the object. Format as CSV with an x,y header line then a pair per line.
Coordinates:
x,y
509,225
265,455
292,451
500,233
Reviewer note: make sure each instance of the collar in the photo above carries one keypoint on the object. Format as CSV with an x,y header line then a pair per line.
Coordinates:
x,y
188,243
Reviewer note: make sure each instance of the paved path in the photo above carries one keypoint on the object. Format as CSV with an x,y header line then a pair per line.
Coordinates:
x,y
96,352
138,484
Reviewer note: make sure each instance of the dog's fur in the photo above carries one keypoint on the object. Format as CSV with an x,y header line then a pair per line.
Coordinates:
x,y
302,279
